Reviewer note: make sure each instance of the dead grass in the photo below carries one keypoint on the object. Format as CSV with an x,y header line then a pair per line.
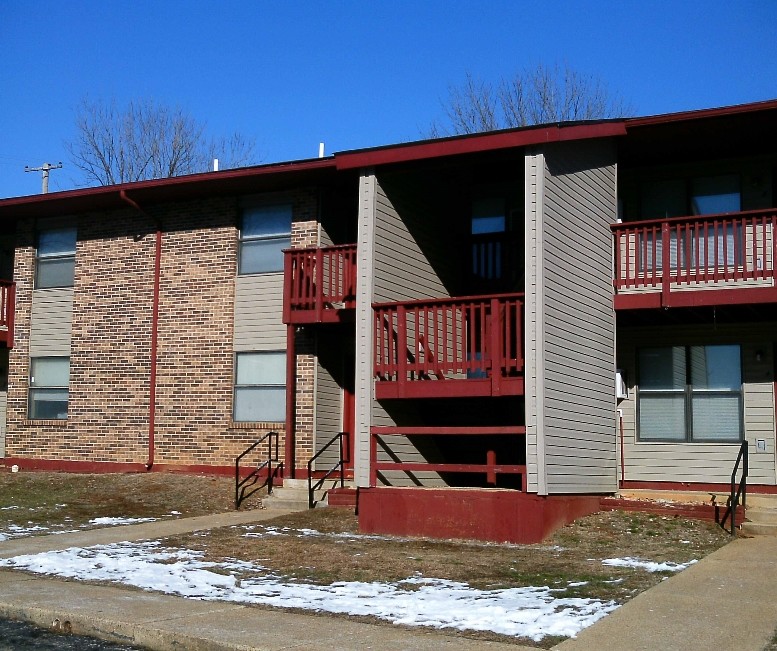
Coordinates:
x,y
323,545
58,500
574,554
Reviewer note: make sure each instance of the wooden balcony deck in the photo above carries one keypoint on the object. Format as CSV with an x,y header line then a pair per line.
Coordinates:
x,y
693,261
453,347
7,312
319,284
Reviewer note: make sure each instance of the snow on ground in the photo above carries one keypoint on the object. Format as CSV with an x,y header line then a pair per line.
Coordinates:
x,y
533,612
650,566
18,531
113,522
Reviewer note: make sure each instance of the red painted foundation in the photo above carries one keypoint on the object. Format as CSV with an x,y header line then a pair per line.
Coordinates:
x,y
720,489
480,514
97,467
710,512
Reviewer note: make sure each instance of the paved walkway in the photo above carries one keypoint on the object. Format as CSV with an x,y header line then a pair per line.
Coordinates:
x,y
726,601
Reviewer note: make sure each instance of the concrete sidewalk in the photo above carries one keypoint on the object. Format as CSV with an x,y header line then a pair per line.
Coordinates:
x,y
726,601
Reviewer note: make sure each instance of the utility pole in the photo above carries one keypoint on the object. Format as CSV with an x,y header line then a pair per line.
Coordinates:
x,y
45,168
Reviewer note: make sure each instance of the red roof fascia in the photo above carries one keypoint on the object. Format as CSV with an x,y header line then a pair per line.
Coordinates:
x,y
701,114
476,143
178,187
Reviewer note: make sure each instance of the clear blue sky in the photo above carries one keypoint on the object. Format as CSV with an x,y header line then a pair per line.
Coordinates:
x,y
351,73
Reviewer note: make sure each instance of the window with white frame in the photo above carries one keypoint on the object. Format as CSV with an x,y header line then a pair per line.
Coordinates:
x,y
55,258
260,387
690,394
264,232
49,382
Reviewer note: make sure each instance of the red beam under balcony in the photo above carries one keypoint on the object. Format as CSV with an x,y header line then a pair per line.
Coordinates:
x,y
319,284
7,312
490,468
453,347
694,261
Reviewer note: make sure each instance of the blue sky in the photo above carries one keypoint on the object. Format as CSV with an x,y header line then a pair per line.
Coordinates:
x,y
351,73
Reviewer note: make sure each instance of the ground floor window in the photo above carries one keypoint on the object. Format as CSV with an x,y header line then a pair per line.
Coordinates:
x,y
690,393
49,380
260,387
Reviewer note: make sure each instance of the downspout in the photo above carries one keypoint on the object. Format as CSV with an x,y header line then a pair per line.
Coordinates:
x,y
154,327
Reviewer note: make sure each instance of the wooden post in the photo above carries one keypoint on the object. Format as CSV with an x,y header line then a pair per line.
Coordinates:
x,y
291,391
401,349
496,335
666,264
319,285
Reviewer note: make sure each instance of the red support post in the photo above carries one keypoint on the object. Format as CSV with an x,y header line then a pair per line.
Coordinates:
x,y
402,348
666,262
497,356
291,392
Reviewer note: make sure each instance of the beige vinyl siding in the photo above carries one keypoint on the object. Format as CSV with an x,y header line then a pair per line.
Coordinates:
x,y
51,322
534,173
704,462
409,257
329,403
364,326
578,321
259,313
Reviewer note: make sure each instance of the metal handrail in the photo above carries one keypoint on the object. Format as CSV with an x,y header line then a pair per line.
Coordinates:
x,y
738,493
312,488
243,485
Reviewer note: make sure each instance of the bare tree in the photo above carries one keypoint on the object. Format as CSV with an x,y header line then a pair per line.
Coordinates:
x,y
542,95
147,140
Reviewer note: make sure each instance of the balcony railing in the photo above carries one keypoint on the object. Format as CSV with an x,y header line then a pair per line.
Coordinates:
x,y
683,254
496,260
319,283
7,311
453,347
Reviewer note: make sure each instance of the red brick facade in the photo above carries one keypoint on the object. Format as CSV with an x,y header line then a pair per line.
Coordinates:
x,y
110,353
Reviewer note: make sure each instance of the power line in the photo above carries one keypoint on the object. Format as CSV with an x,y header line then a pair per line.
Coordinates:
x,y
45,169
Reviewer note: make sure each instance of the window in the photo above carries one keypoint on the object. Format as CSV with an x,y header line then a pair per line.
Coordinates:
x,y
690,393
56,256
260,387
49,379
264,233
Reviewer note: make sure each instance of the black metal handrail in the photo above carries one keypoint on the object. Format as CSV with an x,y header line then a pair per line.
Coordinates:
x,y
342,437
244,487
738,493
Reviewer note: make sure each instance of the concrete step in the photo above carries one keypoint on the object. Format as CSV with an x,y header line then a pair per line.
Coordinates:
x,y
759,528
761,515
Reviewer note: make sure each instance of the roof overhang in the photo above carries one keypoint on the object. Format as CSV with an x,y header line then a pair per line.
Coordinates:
x,y
246,180
477,143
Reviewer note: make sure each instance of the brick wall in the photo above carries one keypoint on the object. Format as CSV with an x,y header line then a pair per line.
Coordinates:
x,y
108,415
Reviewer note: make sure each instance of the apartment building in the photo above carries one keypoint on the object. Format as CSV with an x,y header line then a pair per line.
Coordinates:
x,y
485,333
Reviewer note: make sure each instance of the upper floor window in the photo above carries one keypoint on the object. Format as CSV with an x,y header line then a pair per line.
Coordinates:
x,y
680,197
56,257
264,232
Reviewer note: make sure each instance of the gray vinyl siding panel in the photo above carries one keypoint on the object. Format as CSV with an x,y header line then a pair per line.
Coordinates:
x,y
364,327
704,462
259,313
329,398
534,174
402,271
51,322
578,319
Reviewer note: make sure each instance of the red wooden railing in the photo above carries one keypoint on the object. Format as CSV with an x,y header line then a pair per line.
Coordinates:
x,y
478,339
7,311
695,250
317,280
490,468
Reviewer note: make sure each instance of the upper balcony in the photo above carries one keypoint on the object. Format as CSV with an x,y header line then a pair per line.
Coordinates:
x,y
319,284
706,260
7,312
452,347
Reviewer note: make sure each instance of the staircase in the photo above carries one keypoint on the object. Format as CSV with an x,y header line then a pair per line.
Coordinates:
x,y
293,495
761,515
